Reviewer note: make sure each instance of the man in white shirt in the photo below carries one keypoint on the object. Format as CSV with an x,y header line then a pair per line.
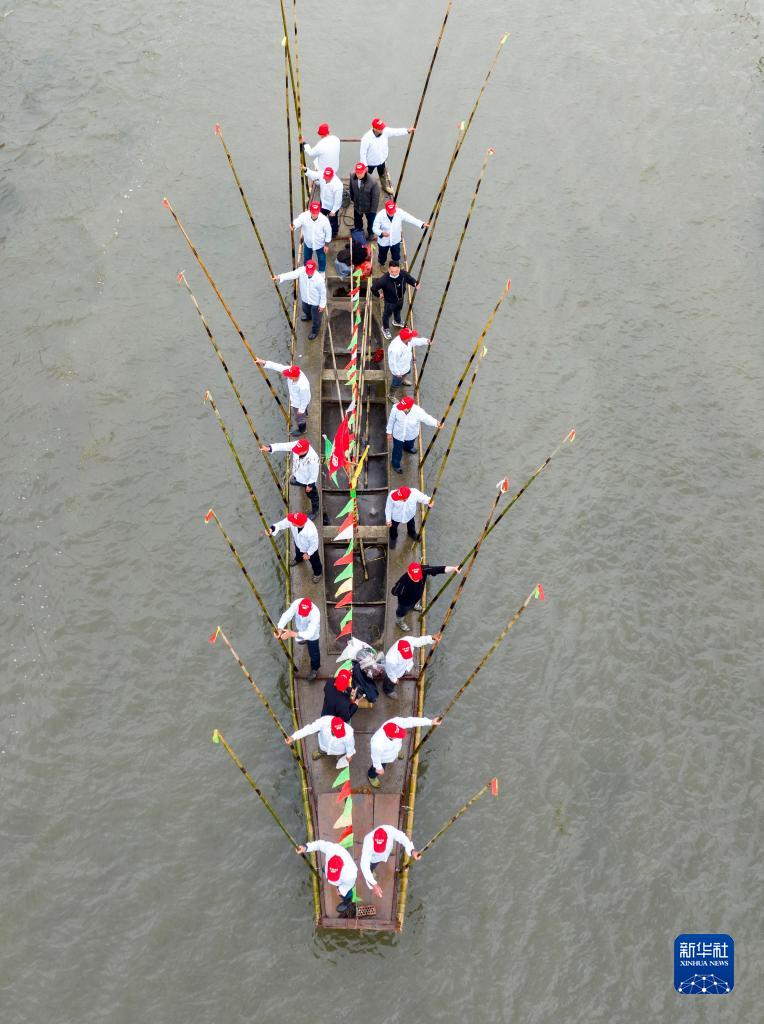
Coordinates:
x,y
388,227
376,849
399,660
307,621
375,147
400,507
305,537
403,428
331,195
340,870
316,234
299,390
306,467
385,744
399,355
335,738
326,152
312,292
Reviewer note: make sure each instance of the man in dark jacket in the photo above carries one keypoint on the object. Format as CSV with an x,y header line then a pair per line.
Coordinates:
x,y
337,697
410,587
359,254
393,286
365,195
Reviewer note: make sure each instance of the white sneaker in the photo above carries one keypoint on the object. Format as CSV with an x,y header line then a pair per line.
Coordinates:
x,y
386,334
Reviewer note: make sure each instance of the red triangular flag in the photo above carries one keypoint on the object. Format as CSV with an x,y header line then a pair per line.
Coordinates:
x,y
344,834
541,592
345,559
347,599
494,787
344,793
347,628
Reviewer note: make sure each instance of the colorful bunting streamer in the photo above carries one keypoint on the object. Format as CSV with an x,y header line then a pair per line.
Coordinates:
x,y
343,776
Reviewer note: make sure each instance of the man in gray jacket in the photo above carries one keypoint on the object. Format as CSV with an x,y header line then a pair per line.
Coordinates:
x,y
365,195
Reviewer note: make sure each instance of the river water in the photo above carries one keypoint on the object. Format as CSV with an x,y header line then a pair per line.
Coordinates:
x,y
142,880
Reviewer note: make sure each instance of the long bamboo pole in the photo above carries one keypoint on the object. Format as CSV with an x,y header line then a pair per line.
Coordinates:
x,y
231,317
444,186
266,526
502,488
449,446
477,347
569,438
463,235
432,220
219,354
537,592
493,785
287,48
260,242
421,98
291,192
219,738
213,515
304,184
264,700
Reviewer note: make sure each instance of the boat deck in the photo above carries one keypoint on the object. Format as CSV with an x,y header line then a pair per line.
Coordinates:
x,y
373,605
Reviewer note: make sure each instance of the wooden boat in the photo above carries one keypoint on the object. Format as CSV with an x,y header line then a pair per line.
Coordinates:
x,y
375,570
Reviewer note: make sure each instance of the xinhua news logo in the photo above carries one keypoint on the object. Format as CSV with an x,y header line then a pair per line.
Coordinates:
x,y
704,964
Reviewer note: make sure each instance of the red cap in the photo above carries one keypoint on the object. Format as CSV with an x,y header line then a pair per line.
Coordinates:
x,y
310,267
408,332
415,571
404,649
393,731
315,207
334,868
342,679
380,840
328,173
378,355
378,124
401,494
293,372
390,206
297,518
305,606
301,448
338,728
323,129
405,403
360,169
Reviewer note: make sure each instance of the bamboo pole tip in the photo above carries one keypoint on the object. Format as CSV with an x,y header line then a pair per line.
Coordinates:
x,y
215,736
504,38
503,485
218,129
166,202
494,787
181,276
208,396
209,515
571,436
214,636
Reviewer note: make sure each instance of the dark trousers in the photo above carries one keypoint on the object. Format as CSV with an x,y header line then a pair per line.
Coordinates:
x,y
372,773
313,313
358,220
394,250
380,169
403,610
307,254
399,447
334,220
315,561
315,654
395,310
388,686
312,495
410,529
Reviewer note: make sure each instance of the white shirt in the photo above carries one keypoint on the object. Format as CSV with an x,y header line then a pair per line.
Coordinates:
x,y
305,468
396,665
331,191
315,233
305,537
349,871
299,390
325,153
329,743
370,856
312,289
393,225
399,354
308,626
402,511
384,750
374,149
404,426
